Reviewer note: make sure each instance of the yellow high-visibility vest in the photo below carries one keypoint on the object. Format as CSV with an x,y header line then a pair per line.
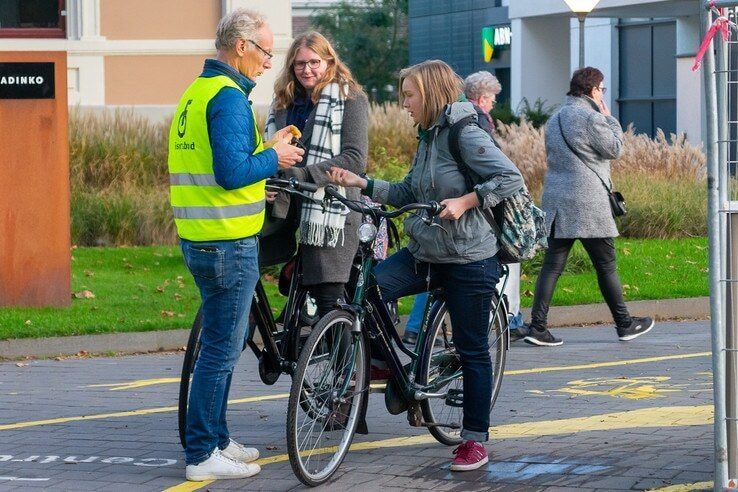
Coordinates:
x,y
203,210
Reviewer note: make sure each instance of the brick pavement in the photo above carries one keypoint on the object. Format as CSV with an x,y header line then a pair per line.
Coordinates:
x,y
658,432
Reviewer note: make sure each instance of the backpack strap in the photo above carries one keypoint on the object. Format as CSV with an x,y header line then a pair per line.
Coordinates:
x,y
495,216
454,135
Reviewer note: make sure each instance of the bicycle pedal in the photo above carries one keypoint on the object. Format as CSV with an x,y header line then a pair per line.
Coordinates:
x,y
415,416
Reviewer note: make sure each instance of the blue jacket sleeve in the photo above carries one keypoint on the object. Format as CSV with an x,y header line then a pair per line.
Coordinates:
x,y
231,131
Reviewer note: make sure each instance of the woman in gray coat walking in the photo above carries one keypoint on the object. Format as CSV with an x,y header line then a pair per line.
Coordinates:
x,y
581,139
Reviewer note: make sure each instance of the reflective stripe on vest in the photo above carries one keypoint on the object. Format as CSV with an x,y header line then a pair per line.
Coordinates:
x,y
203,210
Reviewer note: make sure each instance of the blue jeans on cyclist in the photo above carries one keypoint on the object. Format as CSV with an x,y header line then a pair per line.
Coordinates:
x,y
468,289
226,273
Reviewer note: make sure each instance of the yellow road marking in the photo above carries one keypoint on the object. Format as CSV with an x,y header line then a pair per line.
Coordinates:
x,y
647,417
147,411
131,413
614,363
637,388
140,383
685,487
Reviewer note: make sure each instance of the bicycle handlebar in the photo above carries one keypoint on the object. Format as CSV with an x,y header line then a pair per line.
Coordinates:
x,y
292,183
433,208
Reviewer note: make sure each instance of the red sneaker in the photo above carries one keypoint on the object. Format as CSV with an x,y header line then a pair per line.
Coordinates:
x,y
470,455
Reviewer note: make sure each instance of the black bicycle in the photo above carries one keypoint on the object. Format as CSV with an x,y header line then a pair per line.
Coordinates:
x,y
331,383
281,336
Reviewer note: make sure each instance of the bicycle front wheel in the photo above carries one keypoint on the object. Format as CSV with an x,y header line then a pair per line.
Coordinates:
x,y
188,366
326,397
441,369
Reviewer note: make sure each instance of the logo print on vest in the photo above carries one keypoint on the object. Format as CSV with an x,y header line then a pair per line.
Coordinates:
x,y
182,124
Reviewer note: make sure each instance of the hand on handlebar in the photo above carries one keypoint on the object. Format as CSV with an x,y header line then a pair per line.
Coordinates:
x,y
454,208
346,178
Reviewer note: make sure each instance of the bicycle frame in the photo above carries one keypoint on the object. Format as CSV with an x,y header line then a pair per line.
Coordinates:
x,y
380,327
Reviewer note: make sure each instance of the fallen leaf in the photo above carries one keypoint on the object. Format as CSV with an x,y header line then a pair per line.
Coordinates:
x,y
528,293
82,353
272,448
159,289
167,314
177,297
567,290
89,273
84,294
648,274
690,262
28,322
20,364
626,251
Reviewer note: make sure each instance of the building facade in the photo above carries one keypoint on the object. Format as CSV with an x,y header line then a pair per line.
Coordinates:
x,y
645,48
123,53
453,32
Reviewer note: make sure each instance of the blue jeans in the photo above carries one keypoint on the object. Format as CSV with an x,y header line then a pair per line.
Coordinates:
x,y
468,290
416,314
226,273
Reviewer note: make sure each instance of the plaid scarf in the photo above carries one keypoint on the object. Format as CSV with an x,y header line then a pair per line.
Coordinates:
x,y
316,227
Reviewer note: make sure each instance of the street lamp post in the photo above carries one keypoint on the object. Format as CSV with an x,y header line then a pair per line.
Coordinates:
x,y
581,8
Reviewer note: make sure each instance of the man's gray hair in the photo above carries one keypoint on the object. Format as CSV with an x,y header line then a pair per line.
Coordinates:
x,y
481,84
238,24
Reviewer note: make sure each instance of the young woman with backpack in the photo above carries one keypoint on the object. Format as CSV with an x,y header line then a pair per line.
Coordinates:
x,y
458,251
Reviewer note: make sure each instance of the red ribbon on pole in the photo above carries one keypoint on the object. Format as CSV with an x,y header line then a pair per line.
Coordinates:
x,y
722,25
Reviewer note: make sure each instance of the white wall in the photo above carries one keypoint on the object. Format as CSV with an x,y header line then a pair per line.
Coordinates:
x,y
540,59
690,96
600,51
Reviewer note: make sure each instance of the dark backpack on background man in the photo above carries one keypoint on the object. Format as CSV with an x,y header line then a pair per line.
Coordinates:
x,y
520,226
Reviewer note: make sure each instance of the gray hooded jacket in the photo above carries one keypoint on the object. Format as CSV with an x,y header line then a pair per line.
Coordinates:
x,y
435,175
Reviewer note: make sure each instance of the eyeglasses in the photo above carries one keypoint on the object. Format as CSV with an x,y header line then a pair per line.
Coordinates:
x,y
603,89
313,64
266,53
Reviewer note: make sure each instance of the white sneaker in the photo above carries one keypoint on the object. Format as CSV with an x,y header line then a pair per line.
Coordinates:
x,y
240,453
219,467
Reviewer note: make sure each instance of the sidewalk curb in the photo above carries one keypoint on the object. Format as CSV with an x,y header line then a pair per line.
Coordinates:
x,y
154,341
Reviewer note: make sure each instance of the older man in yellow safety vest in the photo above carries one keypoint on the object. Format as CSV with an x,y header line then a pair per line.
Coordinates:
x,y
217,167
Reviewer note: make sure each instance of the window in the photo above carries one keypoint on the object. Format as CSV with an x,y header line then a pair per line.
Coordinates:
x,y
648,76
32,19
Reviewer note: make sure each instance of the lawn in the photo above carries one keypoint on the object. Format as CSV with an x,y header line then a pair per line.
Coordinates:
x,y
149,288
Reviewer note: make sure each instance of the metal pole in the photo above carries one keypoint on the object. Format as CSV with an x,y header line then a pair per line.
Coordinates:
x,y
728,243
714,258
581,17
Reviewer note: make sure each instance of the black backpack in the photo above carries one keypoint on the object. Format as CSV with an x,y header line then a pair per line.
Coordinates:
x,y
520,226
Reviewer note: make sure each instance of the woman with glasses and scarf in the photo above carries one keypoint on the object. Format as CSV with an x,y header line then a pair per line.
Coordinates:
x,y
317,93
458,251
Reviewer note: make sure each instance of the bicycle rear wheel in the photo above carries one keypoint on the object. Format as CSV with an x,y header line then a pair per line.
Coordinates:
x,y
326,397
188,366
441,364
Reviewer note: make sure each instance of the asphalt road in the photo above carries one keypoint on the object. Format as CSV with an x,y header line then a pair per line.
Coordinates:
x,y
594,413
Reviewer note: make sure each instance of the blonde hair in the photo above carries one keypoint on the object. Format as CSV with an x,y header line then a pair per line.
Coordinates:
x,y
287,83
438,86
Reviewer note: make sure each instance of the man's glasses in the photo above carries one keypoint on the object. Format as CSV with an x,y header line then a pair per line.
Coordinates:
x,y
603,89
313,64
266,53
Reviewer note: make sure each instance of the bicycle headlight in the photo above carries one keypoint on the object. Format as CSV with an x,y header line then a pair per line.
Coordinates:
x,y
367,233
